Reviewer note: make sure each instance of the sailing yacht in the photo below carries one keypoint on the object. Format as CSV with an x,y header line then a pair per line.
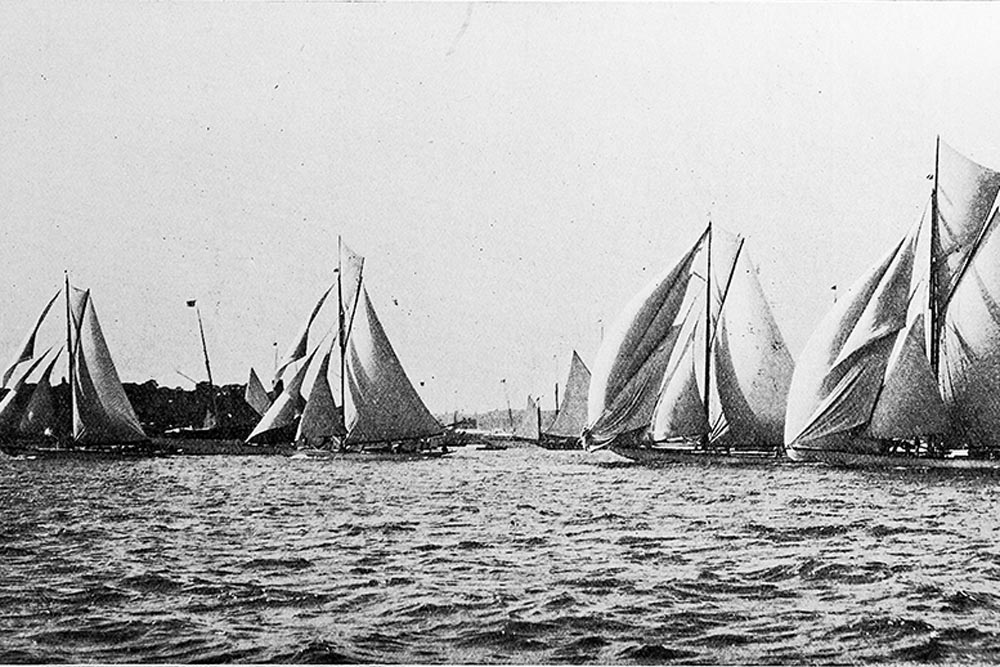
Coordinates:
x,y
379,413
571,413
99,420
694,368
905,369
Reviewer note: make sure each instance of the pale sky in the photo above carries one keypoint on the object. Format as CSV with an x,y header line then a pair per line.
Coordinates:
x,y
512,172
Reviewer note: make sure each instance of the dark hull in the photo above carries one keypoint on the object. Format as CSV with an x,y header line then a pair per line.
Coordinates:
x,y
658,456
195,446
54,449
558,442
862,460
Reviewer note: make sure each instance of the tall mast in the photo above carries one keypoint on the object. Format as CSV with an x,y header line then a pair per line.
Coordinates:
x,y
557,401
708,323
340,334
934,311
70,352
208,366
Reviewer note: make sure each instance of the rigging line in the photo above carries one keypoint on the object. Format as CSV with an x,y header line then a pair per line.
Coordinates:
x,y
725,293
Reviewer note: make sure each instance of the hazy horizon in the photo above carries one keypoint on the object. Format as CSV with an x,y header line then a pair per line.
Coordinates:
x,y
513,173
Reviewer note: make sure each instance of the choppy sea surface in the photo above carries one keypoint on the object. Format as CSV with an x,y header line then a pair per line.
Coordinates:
x,y
516,556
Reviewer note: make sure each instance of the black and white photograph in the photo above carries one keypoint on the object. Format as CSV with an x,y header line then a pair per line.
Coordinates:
x,y
590,333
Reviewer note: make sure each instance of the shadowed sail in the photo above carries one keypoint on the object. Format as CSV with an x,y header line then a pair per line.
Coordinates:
x,y
322,421
386,406
909,360
255,394
39,416
283,414
10,406
572,417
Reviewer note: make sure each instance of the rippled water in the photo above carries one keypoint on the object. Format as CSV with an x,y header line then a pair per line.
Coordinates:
x,y
521,555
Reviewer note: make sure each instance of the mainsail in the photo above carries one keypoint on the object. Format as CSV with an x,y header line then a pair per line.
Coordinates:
x,y
633,356
101,410
386,406
572,416
912,352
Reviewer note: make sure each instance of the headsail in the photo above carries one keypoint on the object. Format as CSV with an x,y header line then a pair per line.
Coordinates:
x,y
386,406
27,349
572,415
285,409
11,405
322,421
101,410
680,411
255,394
300,345
39,416
752,365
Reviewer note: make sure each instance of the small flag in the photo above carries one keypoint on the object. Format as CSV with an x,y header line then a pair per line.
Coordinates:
x,y
191,303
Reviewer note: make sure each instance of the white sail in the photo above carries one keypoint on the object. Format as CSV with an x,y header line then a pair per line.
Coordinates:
x,y
909,404
300,345
351,269
631,361
528,427
572,415
11,406
322,421
285,409
680,411
39,415
753,367
255,394
827,398
965,193
386,406
970,345
26,351
101,410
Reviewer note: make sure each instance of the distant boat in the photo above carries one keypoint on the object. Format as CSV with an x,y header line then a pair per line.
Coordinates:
x,y
101,420
387,418
905,369
571,415
695,367
528,427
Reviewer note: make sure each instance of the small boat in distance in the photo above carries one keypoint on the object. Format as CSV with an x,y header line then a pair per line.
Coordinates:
x,y
99,420
694,368
905,369
571,413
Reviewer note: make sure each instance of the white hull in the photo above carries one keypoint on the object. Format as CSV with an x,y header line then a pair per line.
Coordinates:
x,y
666,455
858,460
